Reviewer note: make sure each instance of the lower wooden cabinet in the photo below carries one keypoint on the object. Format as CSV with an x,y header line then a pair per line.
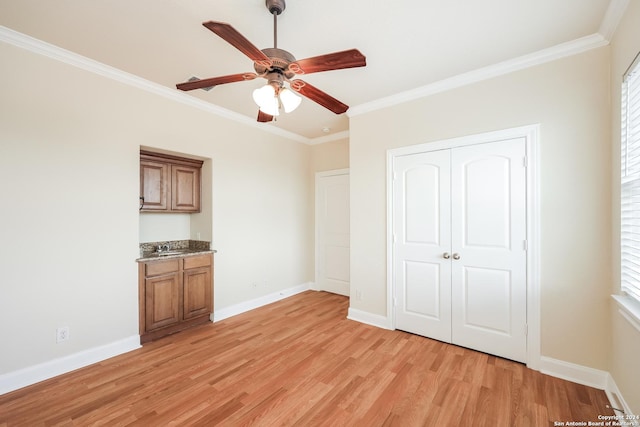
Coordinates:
x,y
174,294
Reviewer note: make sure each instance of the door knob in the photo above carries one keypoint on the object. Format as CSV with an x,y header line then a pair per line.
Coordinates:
x,y
446,255
456,256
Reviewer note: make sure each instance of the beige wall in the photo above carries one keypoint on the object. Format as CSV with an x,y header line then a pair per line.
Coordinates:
x,y
330,155
625,340
570,100
156,227
69,174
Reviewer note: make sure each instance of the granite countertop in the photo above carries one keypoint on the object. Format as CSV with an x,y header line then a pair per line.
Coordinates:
x,y
177,249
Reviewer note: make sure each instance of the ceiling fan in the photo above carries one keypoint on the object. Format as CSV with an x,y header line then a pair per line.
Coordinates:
x,y
278,66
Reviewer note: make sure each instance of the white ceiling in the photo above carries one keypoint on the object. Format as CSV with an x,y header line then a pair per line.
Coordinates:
x,y
408,44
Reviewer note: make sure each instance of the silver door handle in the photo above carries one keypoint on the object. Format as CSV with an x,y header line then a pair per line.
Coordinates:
x,y
446,255
456,256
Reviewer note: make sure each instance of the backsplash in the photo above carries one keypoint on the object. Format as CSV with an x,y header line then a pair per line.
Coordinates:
x,y
198,245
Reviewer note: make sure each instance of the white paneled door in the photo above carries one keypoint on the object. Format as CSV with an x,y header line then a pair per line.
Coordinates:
x,y
459,251
332,232
422,224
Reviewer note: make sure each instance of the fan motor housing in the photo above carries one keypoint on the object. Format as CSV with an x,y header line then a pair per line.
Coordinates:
x,y
280,59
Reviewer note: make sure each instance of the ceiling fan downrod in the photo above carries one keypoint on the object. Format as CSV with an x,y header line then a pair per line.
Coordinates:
x,y
276,7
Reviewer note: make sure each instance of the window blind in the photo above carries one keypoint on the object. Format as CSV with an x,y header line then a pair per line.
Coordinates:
x,y
630,181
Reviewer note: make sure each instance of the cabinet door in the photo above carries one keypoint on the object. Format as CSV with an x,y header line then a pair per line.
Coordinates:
x,y
185,188
154,181
197,299
162,301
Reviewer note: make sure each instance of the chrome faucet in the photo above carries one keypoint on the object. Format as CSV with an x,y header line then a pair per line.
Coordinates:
x,y
163,248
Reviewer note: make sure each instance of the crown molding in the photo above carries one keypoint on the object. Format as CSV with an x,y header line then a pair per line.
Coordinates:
x,y
40,47
546,55
612,18
330,138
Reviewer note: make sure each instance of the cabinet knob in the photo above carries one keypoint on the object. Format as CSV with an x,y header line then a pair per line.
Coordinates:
x,y
456,256
446,255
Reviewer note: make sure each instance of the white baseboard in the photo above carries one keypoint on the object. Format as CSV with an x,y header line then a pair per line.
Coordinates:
x,y
33,374
617,401
245,306
595,378
575,373
369,318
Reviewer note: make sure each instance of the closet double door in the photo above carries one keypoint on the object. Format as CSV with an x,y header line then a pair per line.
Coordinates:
x,y
459,250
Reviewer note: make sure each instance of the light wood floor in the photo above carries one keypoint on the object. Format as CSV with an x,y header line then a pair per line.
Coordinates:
x,y
301,362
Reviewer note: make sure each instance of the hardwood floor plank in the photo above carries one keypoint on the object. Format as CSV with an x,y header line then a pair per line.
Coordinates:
x,y
418,406
300,362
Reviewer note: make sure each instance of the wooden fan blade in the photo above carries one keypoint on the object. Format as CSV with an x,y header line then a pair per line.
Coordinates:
x,y
264,117
316,95
237,40
214,81
332,61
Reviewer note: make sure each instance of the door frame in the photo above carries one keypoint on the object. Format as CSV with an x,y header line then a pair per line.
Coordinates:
x,y
318,176
531,135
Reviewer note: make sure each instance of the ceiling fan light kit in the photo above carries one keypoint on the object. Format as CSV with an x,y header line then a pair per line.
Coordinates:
x,y
290,101
267,100
278,66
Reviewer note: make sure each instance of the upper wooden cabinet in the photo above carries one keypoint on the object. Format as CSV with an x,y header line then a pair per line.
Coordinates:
x,y
169,183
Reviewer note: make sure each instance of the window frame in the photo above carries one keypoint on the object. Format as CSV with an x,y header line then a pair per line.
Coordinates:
x,y
630,182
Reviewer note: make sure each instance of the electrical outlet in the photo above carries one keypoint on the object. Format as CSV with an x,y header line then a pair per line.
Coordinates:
x,y
62,334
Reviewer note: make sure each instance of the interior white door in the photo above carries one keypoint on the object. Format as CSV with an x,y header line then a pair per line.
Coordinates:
x,y
459,254
488,238
332,232
422,233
